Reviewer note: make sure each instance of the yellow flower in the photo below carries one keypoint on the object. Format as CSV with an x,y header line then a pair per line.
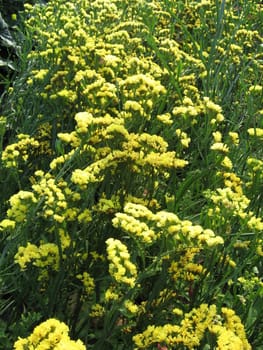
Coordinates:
x,y
226,162
165,118
40,74
49,335
212,106
26,254
111,294
20,151
83,119
82,178
177,311
20,205
258,132
255,89
7,224
135,227
85,216
97,310
234,137
217,136
120,268
131,307
88,282
220,146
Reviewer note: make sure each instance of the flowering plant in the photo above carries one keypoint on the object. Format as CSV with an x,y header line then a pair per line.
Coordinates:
x,y
132,217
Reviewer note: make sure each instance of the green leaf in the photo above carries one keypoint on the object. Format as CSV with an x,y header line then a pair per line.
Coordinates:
x,y
6,38
7,64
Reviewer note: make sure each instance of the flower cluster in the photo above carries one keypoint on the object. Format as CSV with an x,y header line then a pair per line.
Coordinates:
x,y
230,331
44,256
131,151
163,223
20,205
50,335
227,328
120,267
19,151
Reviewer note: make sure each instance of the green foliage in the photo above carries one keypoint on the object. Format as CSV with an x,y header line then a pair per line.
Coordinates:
x,y
7,48
10,8
131,157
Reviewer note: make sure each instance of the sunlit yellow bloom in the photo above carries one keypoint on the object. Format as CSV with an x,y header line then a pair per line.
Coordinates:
x,y
227,163
258,132
49,335
234,137
120,267
220,146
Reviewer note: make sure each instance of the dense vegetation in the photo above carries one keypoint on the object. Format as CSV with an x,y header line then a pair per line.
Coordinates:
x,y
131,175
